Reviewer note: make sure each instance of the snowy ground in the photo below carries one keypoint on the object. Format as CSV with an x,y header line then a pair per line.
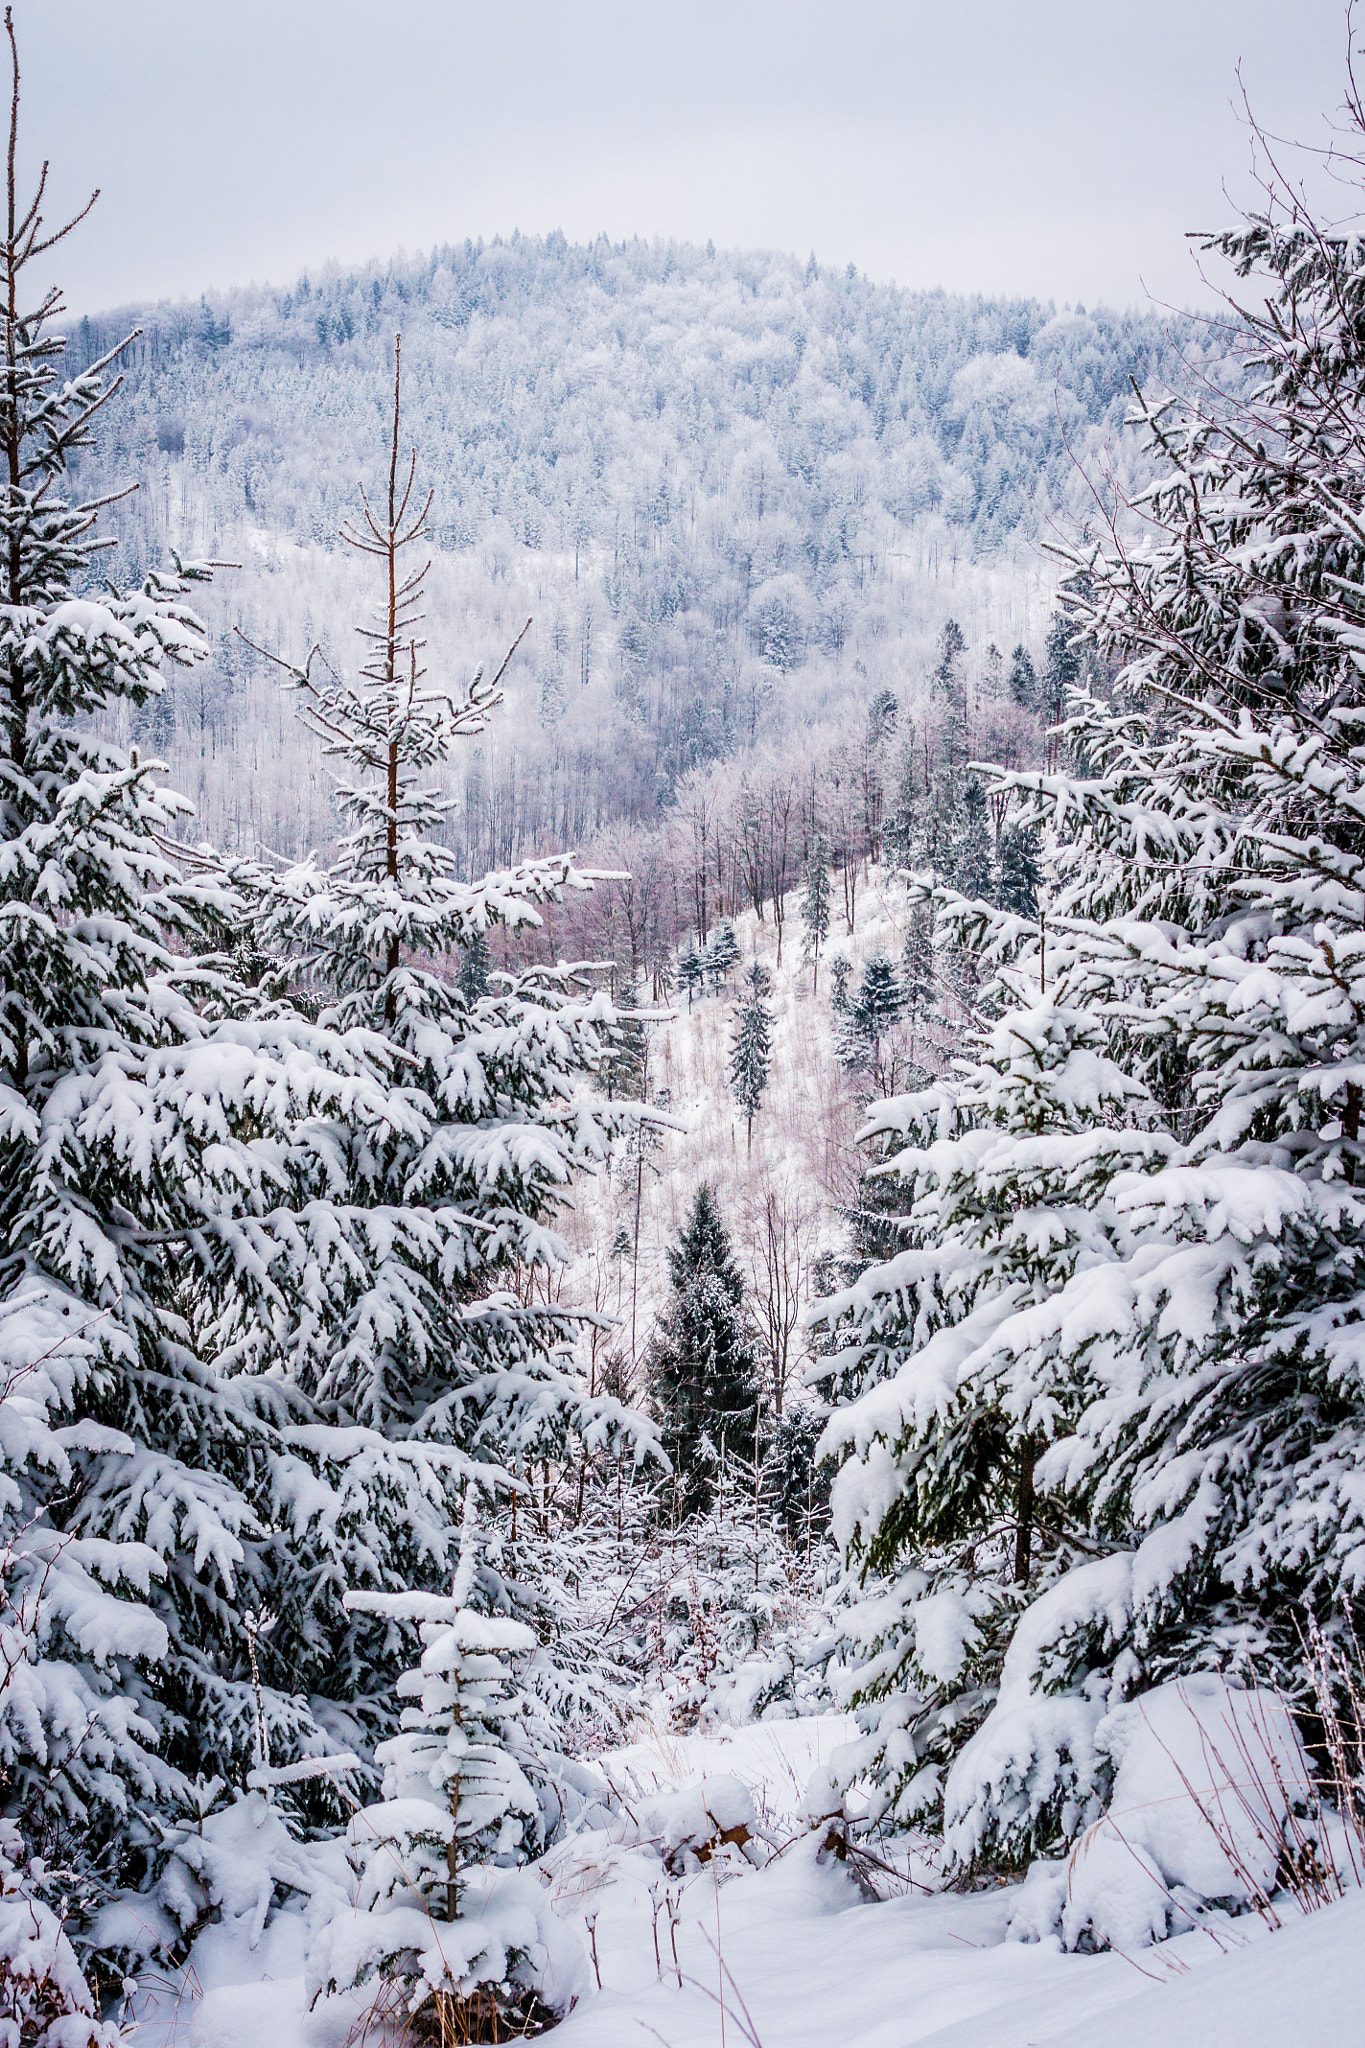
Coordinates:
x,y
808,1961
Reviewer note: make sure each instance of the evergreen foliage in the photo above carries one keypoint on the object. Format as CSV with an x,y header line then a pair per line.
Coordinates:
x,y
751,1049
703,1365
1107,1428
815,903
722,953
691,969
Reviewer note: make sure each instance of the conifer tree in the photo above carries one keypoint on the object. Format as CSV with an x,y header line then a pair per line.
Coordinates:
x,y
1023,679
435,1914
703,1365
751,1051
971,864
1019,872
156,1143
625,1066
691,969
418,1324
840,968
722,953
815,904
917,967
473,975
1130,1333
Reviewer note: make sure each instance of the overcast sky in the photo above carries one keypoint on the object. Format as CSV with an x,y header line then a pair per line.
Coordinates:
x,y
1057,148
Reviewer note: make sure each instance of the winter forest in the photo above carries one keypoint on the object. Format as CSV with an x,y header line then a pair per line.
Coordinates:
x,y
682,1036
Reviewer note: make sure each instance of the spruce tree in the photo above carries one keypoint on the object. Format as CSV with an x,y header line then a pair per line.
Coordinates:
x,y
722,953
472,977
158,1151
691,969
971,862
441,1911
1023,679
751,1051
917,977
815,904
1130,1334
416,1322
874,1010
1019,872
703,1364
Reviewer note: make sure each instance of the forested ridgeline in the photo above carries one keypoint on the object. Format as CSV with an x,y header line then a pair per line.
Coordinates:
x,y
738,495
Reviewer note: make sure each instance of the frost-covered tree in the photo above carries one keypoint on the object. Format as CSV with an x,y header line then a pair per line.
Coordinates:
x,y
751,1050
1023,679
875,1008
422,1337
722,953
918,986
703,1365
420,1326
1132,1306
691,969
815,904
442,1913
153,1134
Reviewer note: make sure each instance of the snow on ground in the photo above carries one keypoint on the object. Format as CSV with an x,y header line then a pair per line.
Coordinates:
x,y
808,1961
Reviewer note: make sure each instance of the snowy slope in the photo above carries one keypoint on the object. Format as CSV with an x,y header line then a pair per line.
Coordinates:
x,y
811,1962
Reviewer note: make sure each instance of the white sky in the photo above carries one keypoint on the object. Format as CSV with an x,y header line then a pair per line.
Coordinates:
x,y
1056,148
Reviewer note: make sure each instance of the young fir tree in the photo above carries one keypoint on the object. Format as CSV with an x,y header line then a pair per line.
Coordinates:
x,y
751,1050
1130,1325
441,1911
875,1008
703,1365
840,967
691,969
625,1066
421,1324
473,972
971,863
917,977
1023,679
722,953
815,904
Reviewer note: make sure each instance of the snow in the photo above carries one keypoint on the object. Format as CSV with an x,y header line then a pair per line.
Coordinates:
x,y
810,1957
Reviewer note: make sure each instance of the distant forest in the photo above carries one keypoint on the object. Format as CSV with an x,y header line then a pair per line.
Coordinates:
x,y
740,497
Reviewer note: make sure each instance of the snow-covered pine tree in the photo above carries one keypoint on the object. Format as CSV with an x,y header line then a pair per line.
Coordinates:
x,y
626,1064
421,1325
934,1503
971,859
1159,1289
703,1365
875,1008
917,978
751,1050
1023,679
691,969
722,953
815,904
149,1135
442,1912
473,972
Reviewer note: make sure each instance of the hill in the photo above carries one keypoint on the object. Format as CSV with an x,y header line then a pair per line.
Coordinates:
x,y
738,493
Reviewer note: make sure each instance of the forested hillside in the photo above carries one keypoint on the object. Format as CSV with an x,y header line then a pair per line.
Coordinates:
x,y
737,494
